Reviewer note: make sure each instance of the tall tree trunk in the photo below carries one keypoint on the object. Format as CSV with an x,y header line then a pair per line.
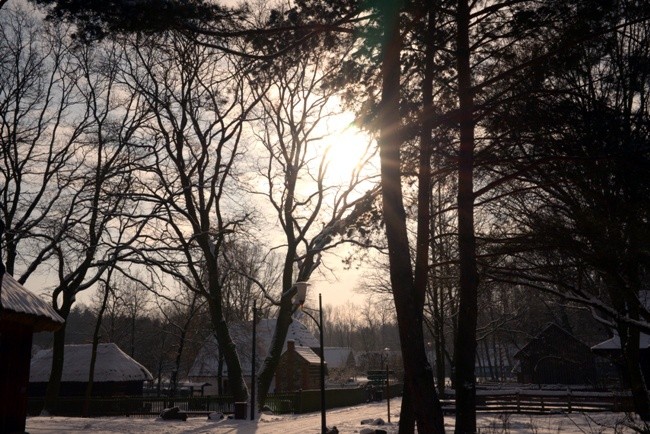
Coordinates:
x,y
408,301
406,416
287,308
629,336
272,360
58,348
93,353
220,390
133,317
465,345
438,296
630,348
229,350
625,300
159,368
181,343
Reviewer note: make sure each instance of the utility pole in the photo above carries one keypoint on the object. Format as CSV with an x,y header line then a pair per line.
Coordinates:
x,y
387,390
322,367
253,364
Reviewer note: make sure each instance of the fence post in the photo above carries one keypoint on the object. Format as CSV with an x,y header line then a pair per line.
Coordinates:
x,y
298,405
518,403
542,399
569,400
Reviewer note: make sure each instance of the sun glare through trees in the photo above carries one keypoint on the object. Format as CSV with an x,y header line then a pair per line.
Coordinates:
x,y
465,185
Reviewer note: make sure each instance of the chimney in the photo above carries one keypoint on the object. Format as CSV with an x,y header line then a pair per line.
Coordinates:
x,y
291,346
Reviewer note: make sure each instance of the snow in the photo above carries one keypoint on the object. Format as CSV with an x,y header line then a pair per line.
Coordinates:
x,y
347,420
112,365
16,298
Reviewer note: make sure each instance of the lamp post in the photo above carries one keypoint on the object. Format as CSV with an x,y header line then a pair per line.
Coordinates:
x,y
387,385
322,368
253,364
319,323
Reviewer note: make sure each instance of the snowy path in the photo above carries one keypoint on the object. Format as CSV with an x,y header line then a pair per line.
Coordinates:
x,y
347,421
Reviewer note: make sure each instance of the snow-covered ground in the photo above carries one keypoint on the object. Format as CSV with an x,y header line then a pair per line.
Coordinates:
x,y
347,420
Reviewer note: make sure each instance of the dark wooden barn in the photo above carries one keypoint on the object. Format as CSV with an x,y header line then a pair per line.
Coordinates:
x,y
116,374
610,350
555,356
299,369
21,315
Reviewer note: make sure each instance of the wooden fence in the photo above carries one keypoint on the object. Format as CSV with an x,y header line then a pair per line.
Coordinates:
x,y
303,401
541,402
524,401
134,406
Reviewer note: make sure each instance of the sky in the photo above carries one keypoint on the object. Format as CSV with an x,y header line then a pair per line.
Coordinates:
x,y
337,284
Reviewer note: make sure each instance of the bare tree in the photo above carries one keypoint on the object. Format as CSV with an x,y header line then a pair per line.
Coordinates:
x,y
180,314
42,117
97,215
103,298
65,162
198,101
314,212
250,269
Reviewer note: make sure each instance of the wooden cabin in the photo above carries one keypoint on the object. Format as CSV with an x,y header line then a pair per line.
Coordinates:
x,y
613,366
299,369
21,315
555,356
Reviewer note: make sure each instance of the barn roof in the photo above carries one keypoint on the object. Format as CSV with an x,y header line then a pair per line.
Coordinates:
x,y
22,306
206,362
614,343
551,331
306,353
112,365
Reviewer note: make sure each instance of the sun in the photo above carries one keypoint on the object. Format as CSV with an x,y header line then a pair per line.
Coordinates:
x,y
350,154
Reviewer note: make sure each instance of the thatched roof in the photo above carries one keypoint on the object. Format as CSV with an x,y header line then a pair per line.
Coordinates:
x,y
21,306
112,365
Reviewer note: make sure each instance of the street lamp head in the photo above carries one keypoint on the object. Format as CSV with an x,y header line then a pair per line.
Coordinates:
x,y
301,293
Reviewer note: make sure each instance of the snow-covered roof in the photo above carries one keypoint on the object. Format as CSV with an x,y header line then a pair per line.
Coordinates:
x,y
298,332
20,305
112,365
206,362
337,357
615,343
307,354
